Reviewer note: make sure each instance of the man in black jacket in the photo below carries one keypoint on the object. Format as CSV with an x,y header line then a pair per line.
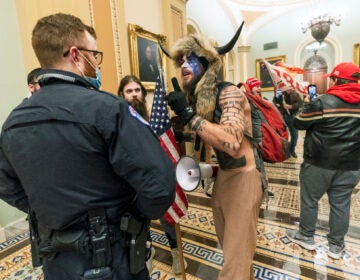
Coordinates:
x,y
288,104
75,156
331,157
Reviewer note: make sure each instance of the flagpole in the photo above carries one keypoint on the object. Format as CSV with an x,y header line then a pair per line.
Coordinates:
x,y
180,249
177,225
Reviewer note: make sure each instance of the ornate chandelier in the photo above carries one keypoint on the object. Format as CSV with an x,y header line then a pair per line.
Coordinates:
x,y
320,25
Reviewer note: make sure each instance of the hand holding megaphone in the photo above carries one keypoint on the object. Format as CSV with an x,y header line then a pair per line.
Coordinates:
x,y
189,173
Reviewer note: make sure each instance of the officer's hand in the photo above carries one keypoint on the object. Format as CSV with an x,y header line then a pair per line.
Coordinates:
x,y
178,103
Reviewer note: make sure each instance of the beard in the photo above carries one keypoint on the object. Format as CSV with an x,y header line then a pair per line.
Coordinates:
x,y
189,89
140,107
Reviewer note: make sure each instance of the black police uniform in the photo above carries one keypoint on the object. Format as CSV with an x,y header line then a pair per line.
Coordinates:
x,y
69,149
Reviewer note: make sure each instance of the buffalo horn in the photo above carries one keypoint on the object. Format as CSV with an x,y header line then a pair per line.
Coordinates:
x,y
165,51
224,49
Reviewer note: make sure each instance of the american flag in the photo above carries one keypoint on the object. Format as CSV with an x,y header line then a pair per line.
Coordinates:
x,y
161,125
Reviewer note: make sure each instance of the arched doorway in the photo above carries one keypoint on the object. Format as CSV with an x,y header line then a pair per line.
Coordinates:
x,y
315,67
191,30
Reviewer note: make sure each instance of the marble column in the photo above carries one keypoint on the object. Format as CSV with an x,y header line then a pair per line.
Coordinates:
x,y
243,55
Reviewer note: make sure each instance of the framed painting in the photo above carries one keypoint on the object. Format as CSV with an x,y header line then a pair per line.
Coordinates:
x,y
263,74
357,54
146,58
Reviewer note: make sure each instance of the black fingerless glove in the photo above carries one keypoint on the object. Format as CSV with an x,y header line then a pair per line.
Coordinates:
x,y
178,103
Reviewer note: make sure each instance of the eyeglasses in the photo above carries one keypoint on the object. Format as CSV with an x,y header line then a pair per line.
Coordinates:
x,y
97,55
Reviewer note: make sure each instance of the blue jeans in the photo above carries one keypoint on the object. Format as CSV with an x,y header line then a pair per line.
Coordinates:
x,y
314,183
294,134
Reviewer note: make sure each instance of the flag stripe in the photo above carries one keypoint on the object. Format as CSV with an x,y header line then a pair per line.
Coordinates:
x,y
161,125
181,204
176,210
169,146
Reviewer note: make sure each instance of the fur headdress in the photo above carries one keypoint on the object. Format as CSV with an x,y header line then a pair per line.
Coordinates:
x,y
204,98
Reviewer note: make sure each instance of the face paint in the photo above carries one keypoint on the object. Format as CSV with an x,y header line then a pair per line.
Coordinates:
x,y
192,62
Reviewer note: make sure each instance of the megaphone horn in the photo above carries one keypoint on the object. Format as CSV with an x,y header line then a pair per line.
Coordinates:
x,y
189,172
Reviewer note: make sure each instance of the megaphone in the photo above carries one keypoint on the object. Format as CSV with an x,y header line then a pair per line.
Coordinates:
x,y
189,173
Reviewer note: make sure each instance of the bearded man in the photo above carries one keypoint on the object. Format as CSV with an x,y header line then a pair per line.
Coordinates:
x,y
222,120
133,91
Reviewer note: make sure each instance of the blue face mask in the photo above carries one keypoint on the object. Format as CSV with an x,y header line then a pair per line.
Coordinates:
x,y
95,82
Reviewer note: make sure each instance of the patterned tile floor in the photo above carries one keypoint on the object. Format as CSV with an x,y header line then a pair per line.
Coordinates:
x,y
276,256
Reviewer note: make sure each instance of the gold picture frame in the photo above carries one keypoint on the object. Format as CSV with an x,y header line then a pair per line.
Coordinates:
x,y
263,74
144,44
357,54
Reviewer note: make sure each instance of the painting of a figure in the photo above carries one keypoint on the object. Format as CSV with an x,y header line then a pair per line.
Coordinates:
x,y
148,69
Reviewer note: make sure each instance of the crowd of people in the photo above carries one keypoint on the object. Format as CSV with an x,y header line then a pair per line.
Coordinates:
x,y
91,174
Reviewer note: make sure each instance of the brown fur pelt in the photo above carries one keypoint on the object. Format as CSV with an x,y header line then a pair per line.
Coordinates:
x,y
204,98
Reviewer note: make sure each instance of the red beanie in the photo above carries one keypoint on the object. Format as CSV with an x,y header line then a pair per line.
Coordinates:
x,y
252,82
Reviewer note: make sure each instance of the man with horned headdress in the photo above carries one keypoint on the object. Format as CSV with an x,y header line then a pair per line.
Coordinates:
x,y
221,116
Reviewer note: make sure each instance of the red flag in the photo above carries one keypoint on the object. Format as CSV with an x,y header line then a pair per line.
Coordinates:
x,y
292,70
161,125
282,79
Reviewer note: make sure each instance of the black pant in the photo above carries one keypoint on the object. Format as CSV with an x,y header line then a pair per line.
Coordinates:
x,y
294,134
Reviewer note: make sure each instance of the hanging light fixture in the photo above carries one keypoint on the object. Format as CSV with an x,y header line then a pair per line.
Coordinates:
x,y
320,25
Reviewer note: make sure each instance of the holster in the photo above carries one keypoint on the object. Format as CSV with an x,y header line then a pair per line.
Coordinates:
x,y
99,238
34,239
95,240
138,229
66,241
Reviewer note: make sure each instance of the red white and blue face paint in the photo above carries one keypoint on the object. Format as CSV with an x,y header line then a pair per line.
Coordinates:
x,y
192,62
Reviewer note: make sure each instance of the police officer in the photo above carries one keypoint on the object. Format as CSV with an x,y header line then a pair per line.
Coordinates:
x,y
134,92
74,156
